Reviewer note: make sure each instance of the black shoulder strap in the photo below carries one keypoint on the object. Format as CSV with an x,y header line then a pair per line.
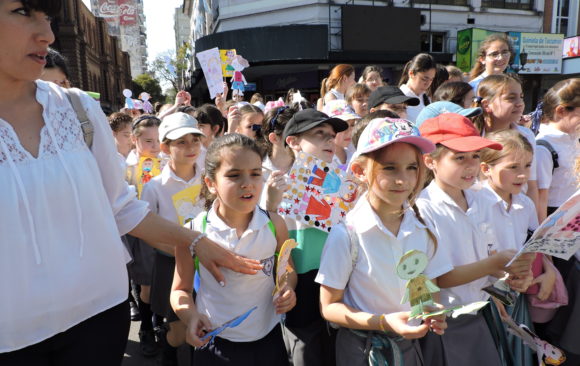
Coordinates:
x,y
553,152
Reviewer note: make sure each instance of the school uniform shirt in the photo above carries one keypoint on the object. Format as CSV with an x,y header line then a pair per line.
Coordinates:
x,y
475,82
467,236
62,216
563,182
159,191
373,285
241,292
511,226
267,169
413,111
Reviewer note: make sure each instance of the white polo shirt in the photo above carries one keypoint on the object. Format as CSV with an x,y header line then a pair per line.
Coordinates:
x,y
413,111
511,226
373,285
159,191
467,237
241,292
563,183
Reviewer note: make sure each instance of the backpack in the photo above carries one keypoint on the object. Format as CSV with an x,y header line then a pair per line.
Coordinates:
x,y
552,151
74,97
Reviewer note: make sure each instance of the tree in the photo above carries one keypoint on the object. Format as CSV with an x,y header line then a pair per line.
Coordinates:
x,y
147,83
173,68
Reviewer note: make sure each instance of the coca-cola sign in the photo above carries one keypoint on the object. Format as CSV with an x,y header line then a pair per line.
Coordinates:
x,y
108,9
127,12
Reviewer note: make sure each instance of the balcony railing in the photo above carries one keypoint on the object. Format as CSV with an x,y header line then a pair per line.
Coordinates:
x,y
509,4
442,2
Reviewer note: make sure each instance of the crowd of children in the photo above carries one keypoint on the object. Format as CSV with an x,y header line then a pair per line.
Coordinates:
x,y
445,169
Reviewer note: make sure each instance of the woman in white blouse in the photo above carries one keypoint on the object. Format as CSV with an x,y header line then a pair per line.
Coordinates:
x,y
63,280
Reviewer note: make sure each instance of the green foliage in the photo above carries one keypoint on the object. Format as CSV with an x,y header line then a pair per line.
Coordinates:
x,y
149,84
173,68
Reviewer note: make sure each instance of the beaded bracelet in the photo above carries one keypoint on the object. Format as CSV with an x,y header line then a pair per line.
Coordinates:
x,y
195,242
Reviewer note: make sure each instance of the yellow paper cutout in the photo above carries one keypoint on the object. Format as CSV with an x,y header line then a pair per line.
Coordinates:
x,y
282,265
226,57
146,170
184,203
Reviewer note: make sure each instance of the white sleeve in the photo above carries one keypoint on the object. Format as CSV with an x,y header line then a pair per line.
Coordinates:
x,y
439,263
128,211
545,167
336,260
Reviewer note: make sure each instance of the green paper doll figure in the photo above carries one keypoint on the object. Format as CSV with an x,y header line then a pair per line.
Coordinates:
x,y
419,288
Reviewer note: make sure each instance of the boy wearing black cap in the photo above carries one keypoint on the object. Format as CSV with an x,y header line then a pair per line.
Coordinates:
x,y
305,334
391,98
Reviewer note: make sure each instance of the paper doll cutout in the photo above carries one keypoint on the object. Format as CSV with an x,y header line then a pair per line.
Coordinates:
x,y
320,193
238,80
559,234
546,353
146,170
282,264
226,57
502,291
229,324
185,203
210,63
419,288
457,311
128,101
147,106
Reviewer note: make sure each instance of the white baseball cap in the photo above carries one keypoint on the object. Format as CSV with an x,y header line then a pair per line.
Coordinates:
x,y
177,125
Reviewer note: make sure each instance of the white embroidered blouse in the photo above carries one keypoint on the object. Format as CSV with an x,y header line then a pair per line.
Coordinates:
x,y
61,257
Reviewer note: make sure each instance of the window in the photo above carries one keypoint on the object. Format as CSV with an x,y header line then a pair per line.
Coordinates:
x,y
436,43
509,4
565,17
442,2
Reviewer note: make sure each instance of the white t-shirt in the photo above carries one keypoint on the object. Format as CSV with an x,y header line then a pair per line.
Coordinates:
x,y
241,292
413,111
373,285
159,191
563,183
467,237
511,227
61,220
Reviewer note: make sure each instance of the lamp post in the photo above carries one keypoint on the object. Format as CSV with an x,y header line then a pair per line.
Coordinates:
x,y
523,61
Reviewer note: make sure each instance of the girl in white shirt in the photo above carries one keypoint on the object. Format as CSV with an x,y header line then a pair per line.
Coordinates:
x,y
359,289
233,175
513,218
463,216
502,101
416,78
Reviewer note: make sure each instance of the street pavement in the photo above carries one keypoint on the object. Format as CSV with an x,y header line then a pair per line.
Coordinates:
x,y
133,356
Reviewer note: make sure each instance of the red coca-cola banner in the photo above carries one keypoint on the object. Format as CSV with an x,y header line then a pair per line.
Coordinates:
x,y
108,9
127,12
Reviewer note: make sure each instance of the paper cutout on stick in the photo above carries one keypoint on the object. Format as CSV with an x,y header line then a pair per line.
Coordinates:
x,y
186,203
547,354
229,324
320,195
211,65
146,170
147,106
238,80
559,234
226,57
128,101
283,263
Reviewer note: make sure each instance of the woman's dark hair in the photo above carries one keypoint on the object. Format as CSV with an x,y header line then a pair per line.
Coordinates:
x,y
452,91
209,114
367,70
118,121
49,7
142,122
441,76
250,108
55,59
420,63
213,158
274,122
186,109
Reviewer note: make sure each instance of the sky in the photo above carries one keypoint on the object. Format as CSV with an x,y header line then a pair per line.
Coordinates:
x,y
159,22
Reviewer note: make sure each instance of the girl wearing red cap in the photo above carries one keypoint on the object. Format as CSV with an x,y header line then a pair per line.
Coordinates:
x,y
462,217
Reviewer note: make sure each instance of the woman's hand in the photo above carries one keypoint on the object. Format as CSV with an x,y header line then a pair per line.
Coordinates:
x,y
546,281
522,265
438,323
234,118
180,98
213,256
276,185
285,301
398,322
198,325
521,283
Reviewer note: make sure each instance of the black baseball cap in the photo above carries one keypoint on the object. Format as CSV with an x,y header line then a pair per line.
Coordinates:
x,y
307,119
391,95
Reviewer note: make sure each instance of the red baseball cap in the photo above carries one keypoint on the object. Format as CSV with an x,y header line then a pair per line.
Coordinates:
x,y
456,132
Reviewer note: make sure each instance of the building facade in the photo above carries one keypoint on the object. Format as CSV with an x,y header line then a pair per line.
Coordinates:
x,y
95,59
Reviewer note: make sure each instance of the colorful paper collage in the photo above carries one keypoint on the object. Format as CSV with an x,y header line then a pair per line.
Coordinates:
x,y
320,193
282,264
559,234
229,324
226,57
186,203
212,70
546,353
146,170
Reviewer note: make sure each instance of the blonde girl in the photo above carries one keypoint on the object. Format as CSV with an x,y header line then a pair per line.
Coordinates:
x,y
359,289
502,101
494,56
233,177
